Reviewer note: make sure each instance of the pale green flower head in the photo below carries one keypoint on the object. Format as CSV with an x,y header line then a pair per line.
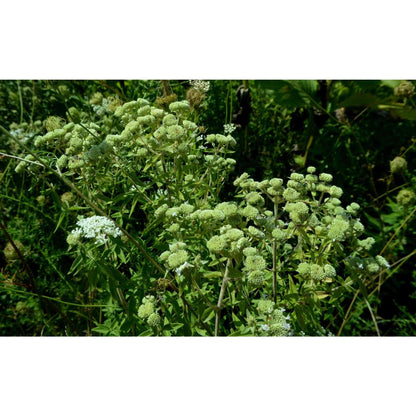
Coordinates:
x,y
265,306
241,179
154,320
62,161
255,262
53,123
296,177
366,243
256,233
276,183
164,256
382,262
160,212
335,202
279,323
263,185
278,234
68,198
174,228
317,272
175,247
325,177
311,179
329,271
254,198
220,139
299,212
141,102
304,269
372,266
217,244
179,107
233,234
242,243
172,212
294,184
189,125
175,132
357,227
250,212
338,229
250,251
398,165
335,191
157,113
186,208
160,133
10,253
228,208
146,120
406,197
177,259
291,194
256,277
145,310
169,120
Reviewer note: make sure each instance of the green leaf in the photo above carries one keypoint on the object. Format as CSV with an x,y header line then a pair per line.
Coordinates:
x,y
405,113
390,83
61,218
212,274
147,333
362,100
300,317
210,316
201,332
292,94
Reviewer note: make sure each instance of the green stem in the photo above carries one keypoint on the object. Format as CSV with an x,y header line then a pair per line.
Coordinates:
x,y
225,280
21,101
275,253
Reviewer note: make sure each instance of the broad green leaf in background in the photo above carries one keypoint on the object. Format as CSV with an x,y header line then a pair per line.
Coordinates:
x,y
292,94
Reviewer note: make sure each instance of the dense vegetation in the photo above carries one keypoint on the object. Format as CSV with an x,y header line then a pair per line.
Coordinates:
x,y
207,208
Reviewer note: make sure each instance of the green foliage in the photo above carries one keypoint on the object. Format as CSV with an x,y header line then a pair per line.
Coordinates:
x,y
172,214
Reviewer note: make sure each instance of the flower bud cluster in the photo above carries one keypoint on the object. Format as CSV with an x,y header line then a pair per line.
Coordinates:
x,y
10,253
272,320
176,256
398,165
405,89
406,197
147,311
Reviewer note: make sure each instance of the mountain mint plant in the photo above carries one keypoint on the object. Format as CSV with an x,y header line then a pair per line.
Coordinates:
x,y
175,257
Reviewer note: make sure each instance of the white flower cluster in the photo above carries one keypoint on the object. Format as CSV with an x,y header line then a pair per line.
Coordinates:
x,y
229,128
201,86
96,227
20,135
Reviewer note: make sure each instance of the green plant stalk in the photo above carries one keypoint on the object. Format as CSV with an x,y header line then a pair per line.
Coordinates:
x,y
274,248
397,231
225,280
33,100
372,316
20,101
78,305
